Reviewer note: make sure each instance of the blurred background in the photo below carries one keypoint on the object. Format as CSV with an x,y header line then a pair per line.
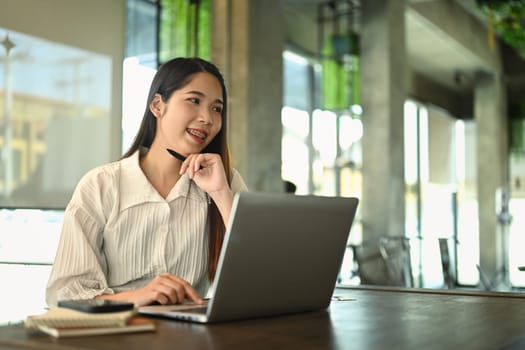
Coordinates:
x,y
416,107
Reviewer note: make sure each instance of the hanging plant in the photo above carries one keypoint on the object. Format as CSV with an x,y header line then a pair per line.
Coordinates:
x,y
507,19
185,29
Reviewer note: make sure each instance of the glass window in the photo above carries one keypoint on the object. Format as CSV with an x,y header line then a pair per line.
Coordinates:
x,y
295,153
321,149
296,148
515,228
296,81
141,31
140,65
440,195
55,124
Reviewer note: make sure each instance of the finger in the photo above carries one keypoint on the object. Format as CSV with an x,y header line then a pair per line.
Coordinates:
x,y
187,291
173,290
190,293
198,163
162,299
187,166
183,167
193,295
209,159
162,284
195,164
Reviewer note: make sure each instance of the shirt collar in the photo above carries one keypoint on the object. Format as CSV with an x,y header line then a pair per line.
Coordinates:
x,y
136,189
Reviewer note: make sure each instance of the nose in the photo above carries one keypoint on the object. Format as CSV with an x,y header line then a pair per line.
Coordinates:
x,y
205,116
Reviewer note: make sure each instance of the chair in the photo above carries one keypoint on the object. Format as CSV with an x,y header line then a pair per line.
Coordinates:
x,y
387,263
449,277
395,251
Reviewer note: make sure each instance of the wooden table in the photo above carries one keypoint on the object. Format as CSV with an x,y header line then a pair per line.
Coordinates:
x,y
375,318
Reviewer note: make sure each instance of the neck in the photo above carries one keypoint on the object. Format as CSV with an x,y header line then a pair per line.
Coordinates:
x,y
161,169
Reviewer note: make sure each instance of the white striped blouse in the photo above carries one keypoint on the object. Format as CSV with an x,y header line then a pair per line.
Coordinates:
x,y
118,233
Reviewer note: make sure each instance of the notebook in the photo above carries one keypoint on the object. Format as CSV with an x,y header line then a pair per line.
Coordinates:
x,y
281,254
63,322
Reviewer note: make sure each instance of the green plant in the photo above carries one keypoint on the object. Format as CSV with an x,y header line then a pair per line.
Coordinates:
x,y
185,29
507,17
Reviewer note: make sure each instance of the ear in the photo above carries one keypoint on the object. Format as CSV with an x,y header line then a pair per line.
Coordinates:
x,y
156,105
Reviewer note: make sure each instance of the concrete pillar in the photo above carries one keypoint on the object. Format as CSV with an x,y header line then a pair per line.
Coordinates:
x,y
247,45
383,77
492,167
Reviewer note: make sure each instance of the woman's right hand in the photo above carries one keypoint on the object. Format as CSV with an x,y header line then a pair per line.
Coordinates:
x,y
163,289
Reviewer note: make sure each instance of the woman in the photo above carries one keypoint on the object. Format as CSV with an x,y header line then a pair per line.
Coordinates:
x,y
149,227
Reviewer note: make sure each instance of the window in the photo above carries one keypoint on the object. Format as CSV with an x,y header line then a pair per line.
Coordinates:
x,y
58,104
140,64
55,99
441,197
321,151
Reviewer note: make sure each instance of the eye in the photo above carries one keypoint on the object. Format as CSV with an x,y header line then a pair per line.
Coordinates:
x,y
217,109
194,100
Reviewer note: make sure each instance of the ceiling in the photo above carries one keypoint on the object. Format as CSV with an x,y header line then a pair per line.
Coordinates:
x,y
431,51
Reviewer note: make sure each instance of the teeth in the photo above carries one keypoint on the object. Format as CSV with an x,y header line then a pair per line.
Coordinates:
x,y
197,133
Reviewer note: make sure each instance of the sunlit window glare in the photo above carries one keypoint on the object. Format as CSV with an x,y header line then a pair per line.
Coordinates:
x,y
460,151
136,81
294,58
294,148
350,131
423,140
295,121
356,109
411,161
324,134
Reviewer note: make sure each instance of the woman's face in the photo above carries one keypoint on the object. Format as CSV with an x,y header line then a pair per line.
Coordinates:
x,y
192,116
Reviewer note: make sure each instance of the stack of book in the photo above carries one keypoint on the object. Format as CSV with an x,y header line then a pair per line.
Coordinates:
x,y
64,322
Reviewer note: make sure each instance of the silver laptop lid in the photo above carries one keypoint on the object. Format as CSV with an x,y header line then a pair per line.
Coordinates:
x,y
281,254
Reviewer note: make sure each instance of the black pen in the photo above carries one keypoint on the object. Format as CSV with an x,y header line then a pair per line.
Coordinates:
x,y
179,156
176,155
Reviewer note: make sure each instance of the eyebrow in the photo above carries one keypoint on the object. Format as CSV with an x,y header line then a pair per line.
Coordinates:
x,y
204,95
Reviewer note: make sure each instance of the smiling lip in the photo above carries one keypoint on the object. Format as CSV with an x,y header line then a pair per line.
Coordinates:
x,y
197,134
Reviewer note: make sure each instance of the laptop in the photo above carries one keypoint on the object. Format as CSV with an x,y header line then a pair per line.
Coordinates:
x,y
281,254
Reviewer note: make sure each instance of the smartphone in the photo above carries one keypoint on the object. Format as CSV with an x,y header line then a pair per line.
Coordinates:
x,y
96,305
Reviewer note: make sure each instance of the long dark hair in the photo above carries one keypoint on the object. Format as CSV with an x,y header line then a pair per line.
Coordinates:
x,y
172,76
